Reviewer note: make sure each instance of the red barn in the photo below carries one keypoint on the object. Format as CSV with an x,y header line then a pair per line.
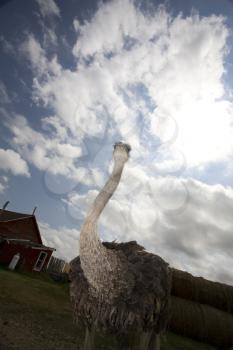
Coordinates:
x,y
19,234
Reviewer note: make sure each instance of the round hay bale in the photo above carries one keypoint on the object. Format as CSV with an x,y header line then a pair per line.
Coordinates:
x,y
186,286
201,322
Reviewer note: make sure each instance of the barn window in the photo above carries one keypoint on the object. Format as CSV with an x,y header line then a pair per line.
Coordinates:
x,y
40,261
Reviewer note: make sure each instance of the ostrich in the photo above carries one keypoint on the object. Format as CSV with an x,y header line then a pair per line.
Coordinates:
x,y
118,288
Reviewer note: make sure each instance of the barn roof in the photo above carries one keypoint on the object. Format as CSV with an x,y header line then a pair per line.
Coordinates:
x,y
6,215
19,226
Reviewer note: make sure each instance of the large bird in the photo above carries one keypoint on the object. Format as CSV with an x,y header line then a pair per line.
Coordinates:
x,y
118,288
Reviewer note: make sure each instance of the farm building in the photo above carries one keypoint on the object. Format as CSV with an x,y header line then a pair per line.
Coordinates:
x,y
21,245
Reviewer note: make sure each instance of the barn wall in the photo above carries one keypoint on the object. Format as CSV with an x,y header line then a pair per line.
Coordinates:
x,y
28,256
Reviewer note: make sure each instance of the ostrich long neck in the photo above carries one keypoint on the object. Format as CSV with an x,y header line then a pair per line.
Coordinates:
x,y
101,266
106,193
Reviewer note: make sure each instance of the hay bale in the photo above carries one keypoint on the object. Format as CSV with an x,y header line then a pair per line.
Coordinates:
x,y
186,286
201,322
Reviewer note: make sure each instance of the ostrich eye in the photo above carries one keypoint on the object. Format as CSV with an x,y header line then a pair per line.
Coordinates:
x,y
128,147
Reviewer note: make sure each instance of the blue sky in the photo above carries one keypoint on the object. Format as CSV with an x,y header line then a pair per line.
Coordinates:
x,y
76,76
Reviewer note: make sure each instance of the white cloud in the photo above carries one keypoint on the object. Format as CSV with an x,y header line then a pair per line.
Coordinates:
x,y
165,70
187,222
3,183
50,37
12,161
63,239
53,154
34,52
48,8
4,98
48,33
2,188
39,149
7,47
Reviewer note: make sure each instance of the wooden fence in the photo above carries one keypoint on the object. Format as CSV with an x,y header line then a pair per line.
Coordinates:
x,y
58,265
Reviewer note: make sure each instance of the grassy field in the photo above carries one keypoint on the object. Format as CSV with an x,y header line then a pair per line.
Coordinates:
x,y
35,313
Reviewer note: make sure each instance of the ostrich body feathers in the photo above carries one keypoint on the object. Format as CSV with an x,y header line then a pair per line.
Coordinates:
x,y
145,309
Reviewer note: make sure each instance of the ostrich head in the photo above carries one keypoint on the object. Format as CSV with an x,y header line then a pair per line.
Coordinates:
x,y
121,152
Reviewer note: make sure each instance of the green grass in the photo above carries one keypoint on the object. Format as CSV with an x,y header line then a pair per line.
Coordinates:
x,y
35,313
